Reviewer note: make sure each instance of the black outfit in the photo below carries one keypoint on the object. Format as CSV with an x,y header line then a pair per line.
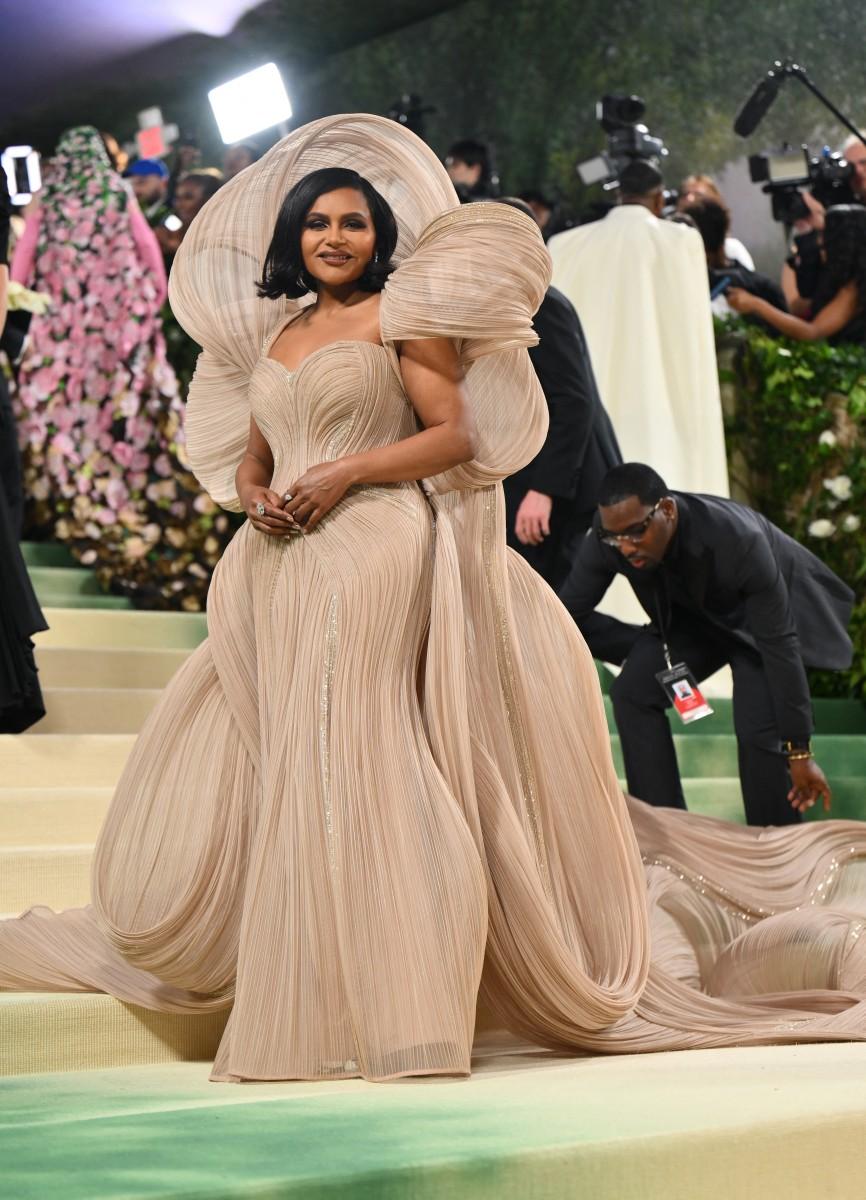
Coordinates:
x,y
855,330
814,284
580,447
20,696
732,588
757,285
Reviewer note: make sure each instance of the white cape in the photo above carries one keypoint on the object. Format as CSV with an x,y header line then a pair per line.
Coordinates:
x,y
639,285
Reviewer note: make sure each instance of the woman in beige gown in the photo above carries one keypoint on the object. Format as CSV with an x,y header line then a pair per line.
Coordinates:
x,y
383,786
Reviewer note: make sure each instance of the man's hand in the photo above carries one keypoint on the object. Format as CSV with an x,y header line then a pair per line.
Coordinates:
x,y
532,523
809,782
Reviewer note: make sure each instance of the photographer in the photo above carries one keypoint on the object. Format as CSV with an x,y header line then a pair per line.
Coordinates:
x,y
695,188
837,309
193,192
855,153
712,220
148,178
469,164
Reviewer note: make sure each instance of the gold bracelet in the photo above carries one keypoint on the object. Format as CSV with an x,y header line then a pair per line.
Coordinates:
x,y
800,746
800,756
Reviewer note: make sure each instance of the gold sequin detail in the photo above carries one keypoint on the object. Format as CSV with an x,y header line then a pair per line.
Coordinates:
x,y
728,901
720,894
505,667
325,722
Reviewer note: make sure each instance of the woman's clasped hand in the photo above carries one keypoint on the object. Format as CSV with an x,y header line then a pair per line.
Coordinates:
x,y
266,512
301,507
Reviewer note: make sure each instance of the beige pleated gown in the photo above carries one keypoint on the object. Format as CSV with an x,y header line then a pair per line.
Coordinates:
x,y
383,786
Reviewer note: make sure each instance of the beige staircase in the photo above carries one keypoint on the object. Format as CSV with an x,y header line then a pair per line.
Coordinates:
x,y
102,671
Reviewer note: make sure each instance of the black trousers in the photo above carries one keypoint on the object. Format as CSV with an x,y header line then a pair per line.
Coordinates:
x,y
639,706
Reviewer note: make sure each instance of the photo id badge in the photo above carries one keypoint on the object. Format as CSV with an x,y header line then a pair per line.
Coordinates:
x,y
681,688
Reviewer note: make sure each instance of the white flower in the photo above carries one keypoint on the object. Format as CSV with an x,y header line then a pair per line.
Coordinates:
x,y
822,528
783,353
827,438
851,523
840,487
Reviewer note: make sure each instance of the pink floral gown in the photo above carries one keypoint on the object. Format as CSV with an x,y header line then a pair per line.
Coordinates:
x,y
98,405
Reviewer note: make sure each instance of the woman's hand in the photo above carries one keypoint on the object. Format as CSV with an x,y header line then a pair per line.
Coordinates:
x,y
274,521
740,300
317,491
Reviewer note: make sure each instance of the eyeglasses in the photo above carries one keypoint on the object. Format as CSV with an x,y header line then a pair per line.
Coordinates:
x,y
630,535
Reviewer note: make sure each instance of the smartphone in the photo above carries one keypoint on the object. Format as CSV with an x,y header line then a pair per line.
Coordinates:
x,y
23,176
720,286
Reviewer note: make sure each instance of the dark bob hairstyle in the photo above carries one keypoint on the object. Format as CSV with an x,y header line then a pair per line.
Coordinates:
x,y
284,273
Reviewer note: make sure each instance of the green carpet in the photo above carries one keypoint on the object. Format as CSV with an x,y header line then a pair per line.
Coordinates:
x,y
749,1124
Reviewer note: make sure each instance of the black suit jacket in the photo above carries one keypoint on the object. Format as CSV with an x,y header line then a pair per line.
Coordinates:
x,y
736,572
581,446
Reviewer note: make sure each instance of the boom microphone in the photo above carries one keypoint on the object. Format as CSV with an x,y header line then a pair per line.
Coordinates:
x,y
758,104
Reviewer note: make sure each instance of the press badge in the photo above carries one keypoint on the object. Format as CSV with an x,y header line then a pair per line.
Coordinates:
x,y
681,688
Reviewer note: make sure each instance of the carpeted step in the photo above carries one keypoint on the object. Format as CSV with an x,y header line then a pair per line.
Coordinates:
x,y
57,876
72,587
75,581
831,717
699,755
42,1032
47,554
43,872
750,1123
128,630
82,666
48,816
95,710
722,798
63,759
59,600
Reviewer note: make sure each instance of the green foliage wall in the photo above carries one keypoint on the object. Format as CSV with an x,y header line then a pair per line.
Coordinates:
x,y
796,433
526,74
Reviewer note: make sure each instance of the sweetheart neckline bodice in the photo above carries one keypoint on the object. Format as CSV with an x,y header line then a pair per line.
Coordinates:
x,y
292,371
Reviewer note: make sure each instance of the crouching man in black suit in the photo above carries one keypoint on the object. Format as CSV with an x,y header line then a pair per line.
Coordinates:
x,y
720,584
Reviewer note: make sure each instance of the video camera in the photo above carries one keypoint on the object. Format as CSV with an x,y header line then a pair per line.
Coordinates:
x,y
628,139
827,176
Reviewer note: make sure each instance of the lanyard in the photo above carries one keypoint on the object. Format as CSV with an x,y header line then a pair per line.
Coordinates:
x,y
664,625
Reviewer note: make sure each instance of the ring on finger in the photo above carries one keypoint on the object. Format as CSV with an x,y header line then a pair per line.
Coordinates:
x,y
260,509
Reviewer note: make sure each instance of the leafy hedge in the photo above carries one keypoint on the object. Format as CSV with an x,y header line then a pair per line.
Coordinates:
x,y
795,417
